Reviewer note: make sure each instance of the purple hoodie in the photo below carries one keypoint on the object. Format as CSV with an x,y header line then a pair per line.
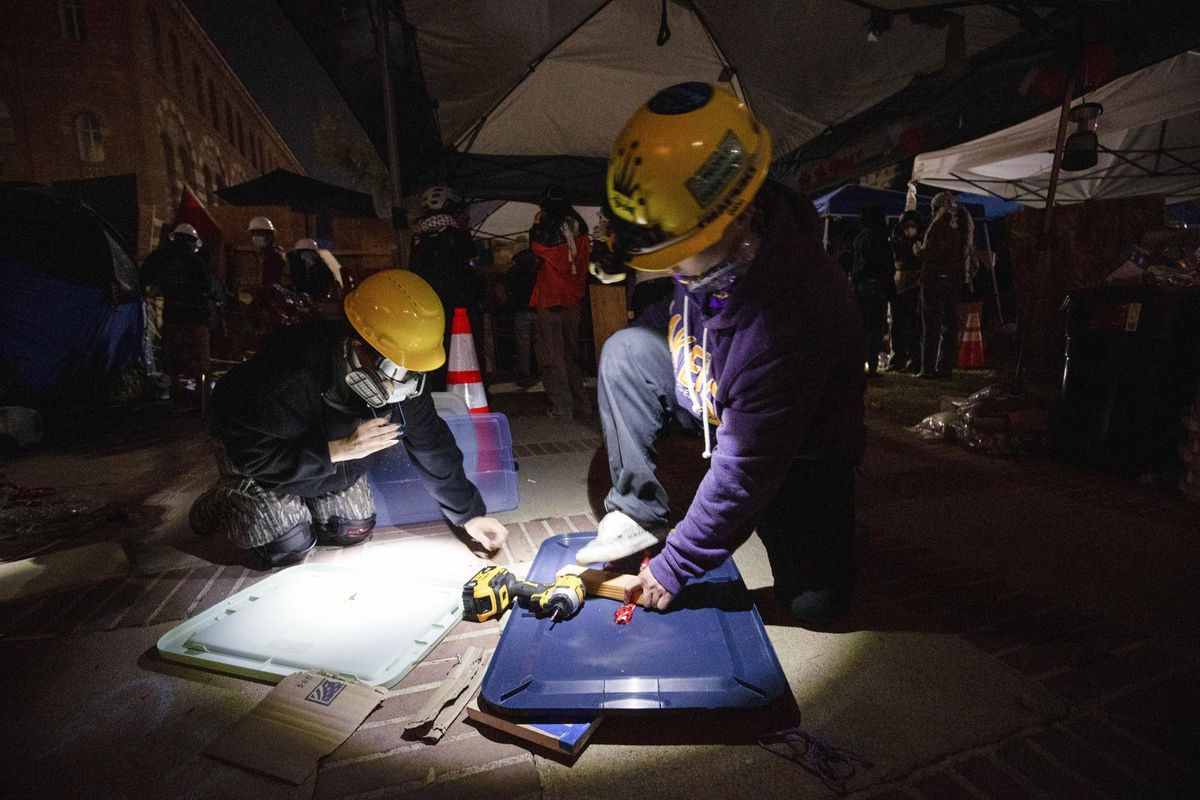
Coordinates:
x,y
779,370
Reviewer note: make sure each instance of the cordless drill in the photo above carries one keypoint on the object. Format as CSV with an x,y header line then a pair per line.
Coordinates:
x,y
493,589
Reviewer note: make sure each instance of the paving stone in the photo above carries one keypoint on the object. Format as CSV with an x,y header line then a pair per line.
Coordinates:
x,y
941,786
1041,772
1165,713
411,763
990,779
1153,767
115,606
180,604
582,522
1094,767
1111,673
145,609
1072,652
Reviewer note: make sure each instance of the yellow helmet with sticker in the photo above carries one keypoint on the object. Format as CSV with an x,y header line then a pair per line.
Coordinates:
x,y
400,315
686,165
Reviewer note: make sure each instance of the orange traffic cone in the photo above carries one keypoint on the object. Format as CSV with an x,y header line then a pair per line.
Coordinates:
x,y
970,352
463,377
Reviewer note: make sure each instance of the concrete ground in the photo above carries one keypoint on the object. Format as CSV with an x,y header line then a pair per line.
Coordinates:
x,y
1022,629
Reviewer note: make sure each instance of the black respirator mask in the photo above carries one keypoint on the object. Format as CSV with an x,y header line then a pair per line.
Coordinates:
x,y
379,381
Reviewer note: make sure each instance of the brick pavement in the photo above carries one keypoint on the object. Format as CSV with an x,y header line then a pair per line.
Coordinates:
x,y
1133,714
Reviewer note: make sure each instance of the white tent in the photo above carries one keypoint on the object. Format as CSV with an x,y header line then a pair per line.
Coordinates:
x,y
524,78
1149,138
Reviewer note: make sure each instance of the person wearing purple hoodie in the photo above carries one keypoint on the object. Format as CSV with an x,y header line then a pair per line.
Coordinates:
x,y
760,349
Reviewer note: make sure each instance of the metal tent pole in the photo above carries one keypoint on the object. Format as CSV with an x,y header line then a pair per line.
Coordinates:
x,y
987,237
383,48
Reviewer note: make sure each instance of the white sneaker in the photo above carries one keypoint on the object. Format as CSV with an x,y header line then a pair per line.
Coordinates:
x,y
617,536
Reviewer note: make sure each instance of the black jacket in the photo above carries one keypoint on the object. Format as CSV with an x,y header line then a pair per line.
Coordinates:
x,y
183,279
873,260
276,414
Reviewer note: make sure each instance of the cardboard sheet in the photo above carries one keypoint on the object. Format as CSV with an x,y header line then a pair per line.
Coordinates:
x,y
306,716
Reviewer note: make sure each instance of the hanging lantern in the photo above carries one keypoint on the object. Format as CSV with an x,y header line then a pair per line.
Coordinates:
x,y
1080,150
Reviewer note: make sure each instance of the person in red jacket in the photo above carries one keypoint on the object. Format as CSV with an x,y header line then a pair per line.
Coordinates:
x,y
559,238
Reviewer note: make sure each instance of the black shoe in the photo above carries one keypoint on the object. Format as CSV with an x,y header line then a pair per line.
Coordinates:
x,y
926,376
205,516
291,548
819,607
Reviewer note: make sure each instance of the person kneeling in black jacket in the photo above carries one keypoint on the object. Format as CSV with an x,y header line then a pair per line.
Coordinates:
x,y
296,422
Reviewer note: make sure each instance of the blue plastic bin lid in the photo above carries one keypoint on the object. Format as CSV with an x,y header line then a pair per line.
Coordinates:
x,y
486,445
710,650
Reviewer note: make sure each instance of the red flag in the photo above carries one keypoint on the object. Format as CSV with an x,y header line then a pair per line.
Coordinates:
x,y
192,211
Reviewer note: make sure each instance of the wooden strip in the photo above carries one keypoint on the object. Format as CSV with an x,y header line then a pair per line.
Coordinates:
x,y
610,585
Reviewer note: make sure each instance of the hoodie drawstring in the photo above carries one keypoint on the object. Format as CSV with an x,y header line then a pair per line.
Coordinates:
x,y
699,408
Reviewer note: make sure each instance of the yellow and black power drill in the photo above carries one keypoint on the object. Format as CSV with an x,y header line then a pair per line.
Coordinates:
x,y
493,589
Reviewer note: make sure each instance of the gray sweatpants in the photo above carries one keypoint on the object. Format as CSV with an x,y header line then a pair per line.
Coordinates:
x,y
251,515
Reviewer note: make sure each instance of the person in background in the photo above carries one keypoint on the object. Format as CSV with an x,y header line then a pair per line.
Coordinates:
x,y
518,285
871,276
176,272
944,271
559,238
442,253
310,274
760,350
906,306
296,423
270,255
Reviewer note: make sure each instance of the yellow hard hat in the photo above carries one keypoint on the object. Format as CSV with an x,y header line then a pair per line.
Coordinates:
x,y
400,315
685,166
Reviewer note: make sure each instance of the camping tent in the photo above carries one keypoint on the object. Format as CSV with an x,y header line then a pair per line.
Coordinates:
x,y
70,299
1149,138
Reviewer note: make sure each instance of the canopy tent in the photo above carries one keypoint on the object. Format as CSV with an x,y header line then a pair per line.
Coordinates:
x,y
849,201
281,187
70,298
501,219
1149,137
500,98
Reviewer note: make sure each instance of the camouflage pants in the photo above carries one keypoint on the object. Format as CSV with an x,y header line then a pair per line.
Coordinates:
x,y
251,515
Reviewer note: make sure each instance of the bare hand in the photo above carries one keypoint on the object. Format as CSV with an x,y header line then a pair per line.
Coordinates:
x,y
488,531
647,591
369,437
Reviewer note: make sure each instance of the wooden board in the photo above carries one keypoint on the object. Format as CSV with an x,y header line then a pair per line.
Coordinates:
x,y
609,312
598,583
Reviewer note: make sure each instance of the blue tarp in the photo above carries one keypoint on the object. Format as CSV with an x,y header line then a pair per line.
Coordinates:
x,y
849,201
57,336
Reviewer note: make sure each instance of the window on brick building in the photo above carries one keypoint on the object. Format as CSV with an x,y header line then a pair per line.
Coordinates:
x,y
229,122
155,40
89,138
176,61
212,106
210,188
189,166
198,80
70,18
169,162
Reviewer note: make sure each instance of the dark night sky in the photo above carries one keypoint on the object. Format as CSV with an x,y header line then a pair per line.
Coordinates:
x,y
277,67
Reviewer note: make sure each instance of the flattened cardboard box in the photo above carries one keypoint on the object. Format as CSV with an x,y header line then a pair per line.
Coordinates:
x,y
306,716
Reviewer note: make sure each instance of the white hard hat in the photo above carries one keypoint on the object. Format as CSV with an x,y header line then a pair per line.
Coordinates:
x,y
261,224
183,229
435,198
305,244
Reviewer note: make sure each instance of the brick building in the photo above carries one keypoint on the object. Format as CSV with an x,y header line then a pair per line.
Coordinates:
x,y
97,88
